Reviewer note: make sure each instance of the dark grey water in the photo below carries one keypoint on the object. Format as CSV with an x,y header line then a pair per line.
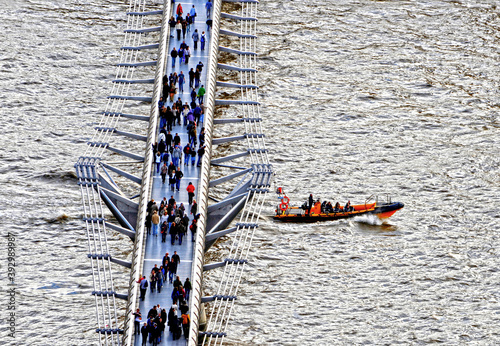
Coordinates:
x,y
360,97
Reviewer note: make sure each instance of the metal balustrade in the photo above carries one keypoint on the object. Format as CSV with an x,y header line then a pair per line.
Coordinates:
x,y
88,168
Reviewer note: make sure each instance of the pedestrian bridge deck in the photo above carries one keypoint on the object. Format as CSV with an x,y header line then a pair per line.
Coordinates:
x,y
155,249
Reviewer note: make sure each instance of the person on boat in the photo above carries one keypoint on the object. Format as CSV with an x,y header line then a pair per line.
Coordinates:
x,y
348,207
337,207
311,201
323,207
328,208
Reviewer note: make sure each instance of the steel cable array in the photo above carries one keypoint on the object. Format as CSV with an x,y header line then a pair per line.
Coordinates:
x,y
262,172
88,179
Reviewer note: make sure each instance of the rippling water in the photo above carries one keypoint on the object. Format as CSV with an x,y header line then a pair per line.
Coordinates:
x,y
359,98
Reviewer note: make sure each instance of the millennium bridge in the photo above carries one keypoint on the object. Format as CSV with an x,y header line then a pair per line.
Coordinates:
x,y
118,170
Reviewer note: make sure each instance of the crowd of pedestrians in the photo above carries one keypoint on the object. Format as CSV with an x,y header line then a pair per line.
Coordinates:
x,y
169,220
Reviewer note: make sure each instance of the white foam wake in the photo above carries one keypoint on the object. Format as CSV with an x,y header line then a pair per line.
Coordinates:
x,y
368,219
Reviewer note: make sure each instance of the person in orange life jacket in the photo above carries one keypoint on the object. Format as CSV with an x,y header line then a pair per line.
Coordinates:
x,y
190,189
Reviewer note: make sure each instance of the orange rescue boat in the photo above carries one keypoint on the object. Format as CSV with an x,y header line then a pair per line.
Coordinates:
x,y
323,212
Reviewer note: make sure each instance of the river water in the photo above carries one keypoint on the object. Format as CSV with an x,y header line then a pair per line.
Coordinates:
x,y
361,97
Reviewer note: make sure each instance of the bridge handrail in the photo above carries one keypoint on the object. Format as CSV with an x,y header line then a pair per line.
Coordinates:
x,y
199,248
87,168
242,239
139,243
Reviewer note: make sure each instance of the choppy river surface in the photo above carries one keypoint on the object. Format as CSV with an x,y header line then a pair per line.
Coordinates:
x,y
361,97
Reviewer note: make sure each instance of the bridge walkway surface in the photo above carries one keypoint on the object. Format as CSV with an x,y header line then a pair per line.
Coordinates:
x,y
154,248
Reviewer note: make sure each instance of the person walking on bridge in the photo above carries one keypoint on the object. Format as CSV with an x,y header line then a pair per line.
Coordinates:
x,y
185,324
203,38
193,228
193,95
187,153
194,207
201,94
137,321
155,219
191,77
145,333
187,288
188,21
193,150
201,152
176,257
143,286
172,22
178,177
176,155
178,28
172,269
182,80
196,38
164,171
173,54
208,6
192,13
179,11
190,189
197,75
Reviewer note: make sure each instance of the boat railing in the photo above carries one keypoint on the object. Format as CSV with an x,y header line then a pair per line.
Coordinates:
x,y
388,199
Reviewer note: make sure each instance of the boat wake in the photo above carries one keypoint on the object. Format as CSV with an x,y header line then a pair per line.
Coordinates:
x,y
368,219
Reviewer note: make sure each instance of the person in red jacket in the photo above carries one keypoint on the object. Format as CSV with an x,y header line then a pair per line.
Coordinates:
x,y
190,189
